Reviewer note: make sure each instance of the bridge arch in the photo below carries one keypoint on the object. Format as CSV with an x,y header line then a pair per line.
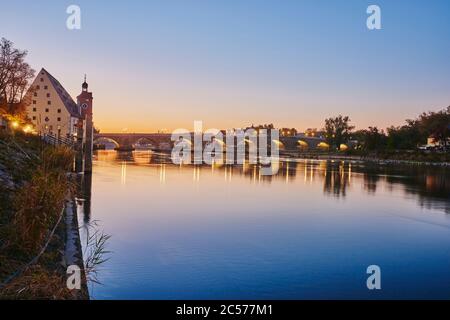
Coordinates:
x,y
302,145
323,146
144,143
214,143
221,142
107,142
281,145
245,142
183,141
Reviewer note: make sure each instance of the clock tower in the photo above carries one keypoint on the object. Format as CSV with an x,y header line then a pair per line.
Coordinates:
x,y
84,101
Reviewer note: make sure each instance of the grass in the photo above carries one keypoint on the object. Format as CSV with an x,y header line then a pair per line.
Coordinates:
x,y
31,202
96,255
38,204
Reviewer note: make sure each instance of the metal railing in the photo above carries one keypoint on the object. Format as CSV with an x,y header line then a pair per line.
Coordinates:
x,y
57,141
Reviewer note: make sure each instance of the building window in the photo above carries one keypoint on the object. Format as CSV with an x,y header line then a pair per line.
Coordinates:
x,y
34,101
46,109
48,95
59,119
38,87
49,102
42,79
34,109
35,94
59,110
47,119
45,87
34,117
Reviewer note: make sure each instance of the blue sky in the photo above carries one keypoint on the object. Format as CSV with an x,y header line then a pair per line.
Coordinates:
x,y
163,64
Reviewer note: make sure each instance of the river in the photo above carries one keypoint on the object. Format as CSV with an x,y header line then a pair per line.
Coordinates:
x,y
309,232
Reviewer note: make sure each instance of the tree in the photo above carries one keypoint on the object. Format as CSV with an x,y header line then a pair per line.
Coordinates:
x,y
337,130
406,137
15,75
436,125
371,139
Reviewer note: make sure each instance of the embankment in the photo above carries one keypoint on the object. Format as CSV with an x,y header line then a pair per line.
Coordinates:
x,y
35,199
400,158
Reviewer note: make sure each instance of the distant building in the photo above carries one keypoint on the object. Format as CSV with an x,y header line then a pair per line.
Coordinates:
x,y
432,143
313,132
288,132
259,127
51,108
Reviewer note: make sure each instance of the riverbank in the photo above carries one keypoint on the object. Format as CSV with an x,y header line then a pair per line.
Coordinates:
x,y
400,158
35,194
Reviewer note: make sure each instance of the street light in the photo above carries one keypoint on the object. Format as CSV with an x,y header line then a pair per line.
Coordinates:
x,y
27,128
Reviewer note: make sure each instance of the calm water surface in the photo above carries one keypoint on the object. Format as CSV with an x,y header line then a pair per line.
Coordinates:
x,y
202,232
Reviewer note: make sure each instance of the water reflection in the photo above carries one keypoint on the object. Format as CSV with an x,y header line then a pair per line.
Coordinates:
x,y
431,185
336,179
230,232
83,196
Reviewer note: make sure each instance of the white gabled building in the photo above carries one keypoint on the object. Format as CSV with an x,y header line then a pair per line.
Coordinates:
x,y
52,109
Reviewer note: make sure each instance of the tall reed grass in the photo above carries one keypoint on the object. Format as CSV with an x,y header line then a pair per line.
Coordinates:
x,y
39,202
29,211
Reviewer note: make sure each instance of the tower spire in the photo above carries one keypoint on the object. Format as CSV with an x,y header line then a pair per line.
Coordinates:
x,y
84,86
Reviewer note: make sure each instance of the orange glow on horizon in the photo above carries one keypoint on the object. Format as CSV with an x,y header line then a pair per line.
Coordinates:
x,y
120,125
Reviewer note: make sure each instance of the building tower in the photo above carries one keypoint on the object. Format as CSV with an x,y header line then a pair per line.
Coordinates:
x,y
84,101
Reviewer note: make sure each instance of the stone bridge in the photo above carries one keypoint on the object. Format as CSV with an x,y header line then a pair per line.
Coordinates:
x,y
162,141
158,141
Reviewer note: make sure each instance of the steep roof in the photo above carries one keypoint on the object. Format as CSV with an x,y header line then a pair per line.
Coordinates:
x,y
70,105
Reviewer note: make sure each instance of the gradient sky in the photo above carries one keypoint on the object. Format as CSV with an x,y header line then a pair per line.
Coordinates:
x,y
163,64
